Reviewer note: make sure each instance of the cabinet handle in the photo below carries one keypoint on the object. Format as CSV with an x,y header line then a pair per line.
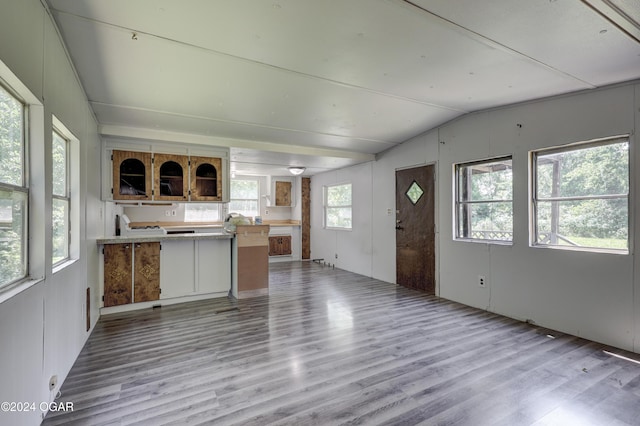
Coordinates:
x,y
138,245
126,247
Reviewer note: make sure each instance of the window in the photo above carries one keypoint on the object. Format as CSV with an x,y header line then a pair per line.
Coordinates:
x,y
581,195
245,197
14,193
337,206
202,212
61,200
484,206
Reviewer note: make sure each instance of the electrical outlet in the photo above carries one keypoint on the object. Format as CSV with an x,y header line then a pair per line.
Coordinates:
x,y
336,255
389,212
174,213
482,281
266,212
167,212
53,382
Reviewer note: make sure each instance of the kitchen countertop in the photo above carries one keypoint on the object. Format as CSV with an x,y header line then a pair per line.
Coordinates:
x,y
159,238
281,222
219,233
198,225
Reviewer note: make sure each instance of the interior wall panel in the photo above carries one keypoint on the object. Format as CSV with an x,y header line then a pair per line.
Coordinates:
x,y
43,328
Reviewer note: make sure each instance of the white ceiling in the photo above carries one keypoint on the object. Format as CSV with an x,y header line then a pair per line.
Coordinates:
x,y
326,84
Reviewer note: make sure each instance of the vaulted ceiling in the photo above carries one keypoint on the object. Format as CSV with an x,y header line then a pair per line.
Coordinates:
x,y
325,84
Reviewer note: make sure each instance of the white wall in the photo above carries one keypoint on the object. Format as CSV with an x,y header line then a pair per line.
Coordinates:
x,y
42,329
352,247
585,294
593,295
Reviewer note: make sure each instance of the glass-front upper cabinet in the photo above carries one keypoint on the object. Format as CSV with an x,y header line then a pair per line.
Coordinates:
x,y
171,182
131,175
206,179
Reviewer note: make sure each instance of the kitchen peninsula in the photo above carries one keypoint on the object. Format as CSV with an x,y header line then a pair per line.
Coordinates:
x,y
140,271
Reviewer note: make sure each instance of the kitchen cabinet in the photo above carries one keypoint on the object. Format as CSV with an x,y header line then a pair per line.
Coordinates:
x,y
283,191
160,173
117,274
131,273
146,276
178,275
131,175
213,266
206,178
195,267
171,177
280,245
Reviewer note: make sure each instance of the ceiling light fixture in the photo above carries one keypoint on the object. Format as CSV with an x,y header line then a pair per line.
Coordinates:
x,y
297,170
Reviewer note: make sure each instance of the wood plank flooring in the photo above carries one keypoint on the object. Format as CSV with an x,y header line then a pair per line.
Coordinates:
x,y
328,347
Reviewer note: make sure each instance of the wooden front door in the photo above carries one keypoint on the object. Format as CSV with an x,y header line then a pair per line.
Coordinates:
x,y
415,228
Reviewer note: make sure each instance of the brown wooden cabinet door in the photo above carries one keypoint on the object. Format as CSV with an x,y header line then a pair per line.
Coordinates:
x,y
206,179
146,283
117,274
280,245
274,246
131,175
170,177
285,245
283,193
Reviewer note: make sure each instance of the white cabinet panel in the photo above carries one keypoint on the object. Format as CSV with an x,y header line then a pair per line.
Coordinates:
x,y
213,266
177,269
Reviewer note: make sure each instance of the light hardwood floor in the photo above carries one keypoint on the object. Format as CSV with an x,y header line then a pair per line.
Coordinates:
x,y
329,347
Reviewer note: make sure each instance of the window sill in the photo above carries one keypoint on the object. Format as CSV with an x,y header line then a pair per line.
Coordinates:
x,y
60,266
16,288
486,242
582,249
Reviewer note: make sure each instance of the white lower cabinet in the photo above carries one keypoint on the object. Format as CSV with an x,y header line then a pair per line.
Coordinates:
x,y
177,266
195,267
213,266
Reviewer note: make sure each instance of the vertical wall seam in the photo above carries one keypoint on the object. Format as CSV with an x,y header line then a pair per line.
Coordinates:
x,y
634,225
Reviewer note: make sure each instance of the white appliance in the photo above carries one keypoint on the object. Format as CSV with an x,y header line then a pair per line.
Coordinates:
x,y
127,230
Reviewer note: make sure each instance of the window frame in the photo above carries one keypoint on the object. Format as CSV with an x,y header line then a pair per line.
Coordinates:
x,y
60,197
327,207
458,202
534,200
257,200
22,189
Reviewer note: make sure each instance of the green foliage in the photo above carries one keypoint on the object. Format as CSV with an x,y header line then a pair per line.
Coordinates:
x,y
59,159
245,189
12,203
490,187
11,128
339,195
338,206
60,229
12,209
245,194
589,172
